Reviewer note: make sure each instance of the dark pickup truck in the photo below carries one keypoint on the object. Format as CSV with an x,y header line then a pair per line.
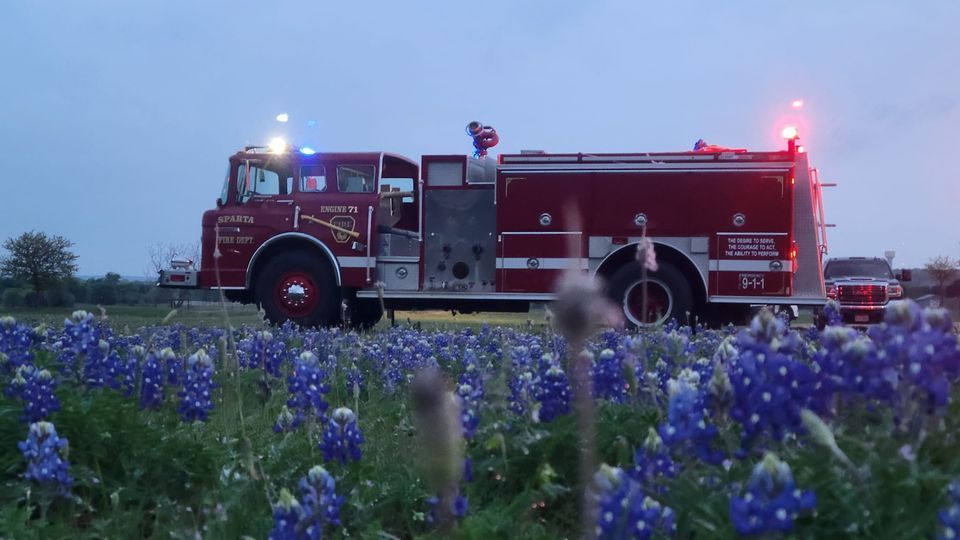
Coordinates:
x,y
863,286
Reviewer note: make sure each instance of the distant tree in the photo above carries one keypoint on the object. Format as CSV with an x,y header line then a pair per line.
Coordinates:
x,y
106,290
942,269
39,259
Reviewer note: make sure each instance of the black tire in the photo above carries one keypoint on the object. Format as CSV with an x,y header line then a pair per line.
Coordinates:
x,y
244,297
314,303
667,279
365,313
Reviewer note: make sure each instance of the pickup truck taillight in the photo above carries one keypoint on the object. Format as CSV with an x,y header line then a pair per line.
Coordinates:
x,y
832,291
894,291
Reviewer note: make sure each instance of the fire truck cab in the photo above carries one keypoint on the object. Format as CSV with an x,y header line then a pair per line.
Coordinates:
x,y
322,238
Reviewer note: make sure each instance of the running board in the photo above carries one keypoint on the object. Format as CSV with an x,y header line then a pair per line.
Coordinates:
x,y
771,300
432,295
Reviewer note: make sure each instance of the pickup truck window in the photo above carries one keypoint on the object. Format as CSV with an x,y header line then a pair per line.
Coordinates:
x,y
858,268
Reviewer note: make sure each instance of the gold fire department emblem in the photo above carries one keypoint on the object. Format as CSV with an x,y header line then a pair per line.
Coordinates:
x,y
344,222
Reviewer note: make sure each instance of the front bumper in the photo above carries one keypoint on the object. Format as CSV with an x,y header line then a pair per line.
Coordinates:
x,y
871,314
179,279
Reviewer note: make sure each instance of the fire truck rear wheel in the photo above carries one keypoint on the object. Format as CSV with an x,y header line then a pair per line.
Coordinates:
x,y
668,294
298,287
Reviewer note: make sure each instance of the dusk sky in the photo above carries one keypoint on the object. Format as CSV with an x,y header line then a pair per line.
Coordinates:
x,y
118,117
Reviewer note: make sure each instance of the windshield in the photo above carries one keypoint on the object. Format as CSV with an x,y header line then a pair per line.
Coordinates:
x,y
256,178
858,268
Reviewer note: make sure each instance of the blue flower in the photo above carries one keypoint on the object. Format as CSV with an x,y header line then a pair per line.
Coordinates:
x,y
321,504
46,456
34,387
652,463
949,516
687,420
355,383
342,439
551,390
286,515
286,421
151,380
16,339
608,379
307,389
772,500
196,398
469,404
625,510
770,386
262,350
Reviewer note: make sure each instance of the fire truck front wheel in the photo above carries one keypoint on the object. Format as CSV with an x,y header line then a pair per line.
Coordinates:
x,y
298,287
668,294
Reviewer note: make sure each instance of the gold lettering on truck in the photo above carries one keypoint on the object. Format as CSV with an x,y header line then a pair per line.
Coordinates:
x,y
235,219
338,209
235,240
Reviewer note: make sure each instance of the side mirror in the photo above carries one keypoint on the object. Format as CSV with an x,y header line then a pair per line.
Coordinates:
x,y
219,203
904,275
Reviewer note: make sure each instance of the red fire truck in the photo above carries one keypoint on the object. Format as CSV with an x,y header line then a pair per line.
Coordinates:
x,y
322,238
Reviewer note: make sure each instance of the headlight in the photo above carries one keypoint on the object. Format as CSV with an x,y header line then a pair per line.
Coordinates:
x,y
831,291
894,291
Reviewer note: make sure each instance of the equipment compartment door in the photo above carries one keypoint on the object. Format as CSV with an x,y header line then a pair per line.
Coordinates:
x,y
532,262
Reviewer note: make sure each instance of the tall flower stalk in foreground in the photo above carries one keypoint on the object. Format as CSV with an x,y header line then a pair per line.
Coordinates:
x,y
579,310
440,430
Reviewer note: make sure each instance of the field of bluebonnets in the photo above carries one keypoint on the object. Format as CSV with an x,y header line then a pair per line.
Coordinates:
x,y
171,431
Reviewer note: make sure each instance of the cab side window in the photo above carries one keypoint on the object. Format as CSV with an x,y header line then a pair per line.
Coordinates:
x,y
313,179
356,178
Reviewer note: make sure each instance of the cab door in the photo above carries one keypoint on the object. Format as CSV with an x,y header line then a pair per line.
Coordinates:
x,y
336,204
263,207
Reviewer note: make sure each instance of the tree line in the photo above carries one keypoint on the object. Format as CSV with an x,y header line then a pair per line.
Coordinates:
x,y
38,270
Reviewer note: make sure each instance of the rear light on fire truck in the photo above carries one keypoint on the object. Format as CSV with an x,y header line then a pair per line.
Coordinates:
x,y
894,291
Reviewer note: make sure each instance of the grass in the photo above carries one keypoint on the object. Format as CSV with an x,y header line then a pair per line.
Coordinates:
x,y
206,315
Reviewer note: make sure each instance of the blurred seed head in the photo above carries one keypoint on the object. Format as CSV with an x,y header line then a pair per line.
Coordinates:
x,y
437,414
581,308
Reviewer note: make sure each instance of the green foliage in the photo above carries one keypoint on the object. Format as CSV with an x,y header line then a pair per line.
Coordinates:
x,y
143,474
14,298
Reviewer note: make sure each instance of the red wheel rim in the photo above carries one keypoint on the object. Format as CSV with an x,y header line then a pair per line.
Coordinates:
x,y
296,294
659,302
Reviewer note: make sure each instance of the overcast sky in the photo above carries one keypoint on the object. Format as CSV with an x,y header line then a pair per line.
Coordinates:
x,y
118,117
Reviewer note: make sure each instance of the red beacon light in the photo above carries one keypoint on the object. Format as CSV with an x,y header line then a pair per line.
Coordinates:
x,y
791,134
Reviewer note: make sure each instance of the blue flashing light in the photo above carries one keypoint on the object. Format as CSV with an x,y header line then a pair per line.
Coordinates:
x,y
307,151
